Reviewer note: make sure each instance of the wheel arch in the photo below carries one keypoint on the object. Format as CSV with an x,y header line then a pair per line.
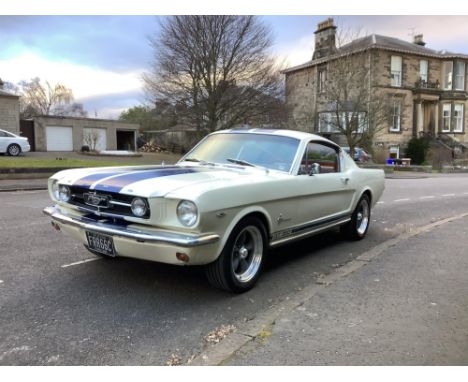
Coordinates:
x,y
252,211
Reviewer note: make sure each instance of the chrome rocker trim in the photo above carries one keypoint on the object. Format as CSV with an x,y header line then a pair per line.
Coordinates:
x,y
176,239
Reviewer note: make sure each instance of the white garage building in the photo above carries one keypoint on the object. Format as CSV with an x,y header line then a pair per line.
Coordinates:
x,y
53,133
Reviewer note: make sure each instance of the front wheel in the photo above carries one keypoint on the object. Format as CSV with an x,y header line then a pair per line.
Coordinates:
x,y
357,228
14,150
239,265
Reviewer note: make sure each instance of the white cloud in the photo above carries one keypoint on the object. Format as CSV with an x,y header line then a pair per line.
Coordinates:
x,y
85,81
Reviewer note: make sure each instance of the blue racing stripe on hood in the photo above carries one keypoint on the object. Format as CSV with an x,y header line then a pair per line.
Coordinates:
x,y
88,180
117,183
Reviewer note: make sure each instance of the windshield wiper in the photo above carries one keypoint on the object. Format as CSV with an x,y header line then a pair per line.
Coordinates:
x,y
202,162
241,162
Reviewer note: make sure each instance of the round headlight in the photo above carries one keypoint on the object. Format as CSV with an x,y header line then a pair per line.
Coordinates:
x,y
187,213
55,189
139,207
64,193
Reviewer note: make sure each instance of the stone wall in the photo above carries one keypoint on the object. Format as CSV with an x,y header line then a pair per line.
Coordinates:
x,y
9,113
301,97
78,124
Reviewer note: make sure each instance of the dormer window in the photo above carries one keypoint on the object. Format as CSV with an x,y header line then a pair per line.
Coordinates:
x,y
396,69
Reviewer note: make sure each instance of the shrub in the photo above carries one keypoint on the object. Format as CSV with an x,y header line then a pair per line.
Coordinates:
x,y
417,150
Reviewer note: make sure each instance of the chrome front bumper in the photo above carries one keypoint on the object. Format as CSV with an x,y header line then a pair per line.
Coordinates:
x,y
141,236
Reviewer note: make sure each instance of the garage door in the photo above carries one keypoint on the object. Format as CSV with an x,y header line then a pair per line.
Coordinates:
x,y
95,138
59,138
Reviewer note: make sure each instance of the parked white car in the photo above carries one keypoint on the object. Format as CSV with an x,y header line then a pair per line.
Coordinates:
x,y
13,144
223,205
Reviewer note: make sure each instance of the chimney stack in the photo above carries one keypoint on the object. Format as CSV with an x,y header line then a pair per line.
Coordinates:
x,y
418,40
325,35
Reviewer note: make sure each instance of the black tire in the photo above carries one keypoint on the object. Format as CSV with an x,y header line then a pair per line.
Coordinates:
x,y
245,248
357,227
14,150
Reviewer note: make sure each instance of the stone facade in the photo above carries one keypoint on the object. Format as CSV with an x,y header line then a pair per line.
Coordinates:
x,y
78,125
422,102
9,112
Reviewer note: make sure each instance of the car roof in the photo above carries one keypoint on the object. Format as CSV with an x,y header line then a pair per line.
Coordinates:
x,y
301,135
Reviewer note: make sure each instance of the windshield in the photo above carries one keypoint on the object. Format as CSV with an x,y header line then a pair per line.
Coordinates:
x,y
274,152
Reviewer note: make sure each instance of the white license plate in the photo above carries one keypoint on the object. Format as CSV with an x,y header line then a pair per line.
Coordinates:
x,y
101,243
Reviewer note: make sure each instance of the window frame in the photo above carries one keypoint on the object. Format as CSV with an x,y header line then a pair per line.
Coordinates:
x,y
446,107
397,116
458,120
456,75
304,156
447,83
398,60
321,80
424,76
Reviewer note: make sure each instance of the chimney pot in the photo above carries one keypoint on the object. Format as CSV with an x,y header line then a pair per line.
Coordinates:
x,y
418,40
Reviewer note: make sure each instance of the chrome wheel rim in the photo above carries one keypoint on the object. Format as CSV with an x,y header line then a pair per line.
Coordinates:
x,y
247,254
362,217
13,150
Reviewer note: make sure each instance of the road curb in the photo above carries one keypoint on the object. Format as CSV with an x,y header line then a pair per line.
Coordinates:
x,y
220,353
16,189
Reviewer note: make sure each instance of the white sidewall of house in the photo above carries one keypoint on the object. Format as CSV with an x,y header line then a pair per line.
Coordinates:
x,y
59,138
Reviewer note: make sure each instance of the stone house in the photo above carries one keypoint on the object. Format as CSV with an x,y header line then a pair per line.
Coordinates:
x,y
427,89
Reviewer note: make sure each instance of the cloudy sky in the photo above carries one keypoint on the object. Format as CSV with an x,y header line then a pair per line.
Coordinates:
x,y
102,57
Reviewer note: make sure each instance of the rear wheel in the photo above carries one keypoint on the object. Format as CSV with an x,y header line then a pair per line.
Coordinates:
x,y
14,150
239,265
357,228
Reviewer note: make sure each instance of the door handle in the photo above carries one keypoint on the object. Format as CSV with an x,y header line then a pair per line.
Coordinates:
x,y
345,179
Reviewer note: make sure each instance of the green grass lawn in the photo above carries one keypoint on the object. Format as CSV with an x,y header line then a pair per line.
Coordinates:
x,y
9,162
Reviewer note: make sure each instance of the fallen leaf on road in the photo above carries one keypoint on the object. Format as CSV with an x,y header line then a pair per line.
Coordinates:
x,y
219,333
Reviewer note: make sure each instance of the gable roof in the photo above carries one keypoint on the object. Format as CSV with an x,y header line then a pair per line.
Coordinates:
x,y
376,41
6,94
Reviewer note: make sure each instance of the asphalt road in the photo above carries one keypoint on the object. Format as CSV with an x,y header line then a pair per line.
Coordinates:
x,y
130,312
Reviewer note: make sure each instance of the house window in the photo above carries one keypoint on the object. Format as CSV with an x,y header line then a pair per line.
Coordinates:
x,y
396,70
327,123
459,76
423,67
396,116
322,78
446,116
448,70
394,152
458,110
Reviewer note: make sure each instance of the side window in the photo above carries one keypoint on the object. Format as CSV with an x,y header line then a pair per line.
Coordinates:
x,y
3,134
319,159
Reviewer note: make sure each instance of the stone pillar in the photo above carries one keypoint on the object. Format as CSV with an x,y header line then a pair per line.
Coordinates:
x,y
420,119
436,119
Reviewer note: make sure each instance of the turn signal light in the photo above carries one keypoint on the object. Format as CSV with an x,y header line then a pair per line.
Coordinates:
x,y
182,257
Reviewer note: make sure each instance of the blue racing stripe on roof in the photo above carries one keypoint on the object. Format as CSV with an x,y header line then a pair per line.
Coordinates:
x,y
117,183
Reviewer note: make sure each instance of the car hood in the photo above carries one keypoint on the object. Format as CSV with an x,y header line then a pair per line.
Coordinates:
x,y
158,181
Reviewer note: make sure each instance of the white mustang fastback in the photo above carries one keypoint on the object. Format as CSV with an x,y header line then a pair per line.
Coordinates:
x,y
223,205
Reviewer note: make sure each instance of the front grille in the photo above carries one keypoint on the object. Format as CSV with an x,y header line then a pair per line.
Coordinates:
x,y
106,203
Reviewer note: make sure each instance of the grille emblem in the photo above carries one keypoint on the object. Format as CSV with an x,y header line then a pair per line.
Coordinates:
x,y
95,200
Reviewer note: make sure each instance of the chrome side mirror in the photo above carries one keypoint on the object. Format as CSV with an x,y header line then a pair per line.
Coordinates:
x,y
314,169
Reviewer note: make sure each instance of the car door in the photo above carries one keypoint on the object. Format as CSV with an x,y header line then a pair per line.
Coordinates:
x,y
326,190
3,141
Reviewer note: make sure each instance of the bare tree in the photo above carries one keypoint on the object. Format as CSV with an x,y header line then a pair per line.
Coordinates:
x,y
91,138
349,102
214,69
44,99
